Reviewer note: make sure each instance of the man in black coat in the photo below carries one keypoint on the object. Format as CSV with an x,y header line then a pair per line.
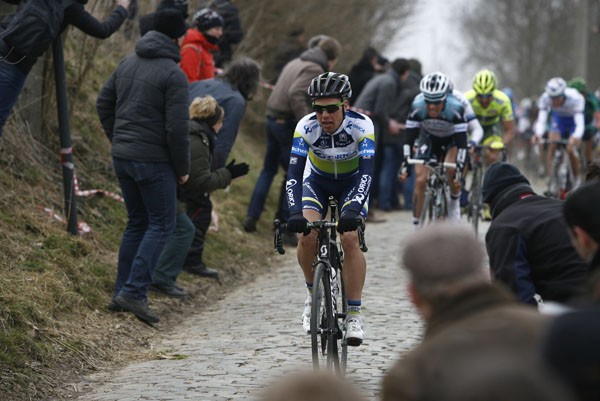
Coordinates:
x,y
528,242
143,111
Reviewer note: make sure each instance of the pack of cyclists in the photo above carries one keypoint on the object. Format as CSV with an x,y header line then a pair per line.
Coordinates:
x,y
334,148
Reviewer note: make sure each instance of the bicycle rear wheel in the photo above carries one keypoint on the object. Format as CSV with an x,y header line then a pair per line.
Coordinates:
x,y
322,322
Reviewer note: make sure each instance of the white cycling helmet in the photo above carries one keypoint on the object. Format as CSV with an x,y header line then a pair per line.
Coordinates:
x,y
435,86
556,87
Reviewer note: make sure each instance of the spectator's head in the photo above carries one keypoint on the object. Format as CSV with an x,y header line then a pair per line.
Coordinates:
x,y
402,68
210,23
592,171
207,109
502,183
311,386
244,74
583,218
415,65
181,5
332,50
298,35
170,22
315,40
454,265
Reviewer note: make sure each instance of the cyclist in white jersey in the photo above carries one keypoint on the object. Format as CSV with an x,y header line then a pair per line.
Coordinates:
x,y
337,147
567,106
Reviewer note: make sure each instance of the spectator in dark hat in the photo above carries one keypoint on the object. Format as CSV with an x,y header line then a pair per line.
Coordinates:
x,y
571,346
201,41
292,47
143,111
363,71
147,21
24,37
528,243
232,30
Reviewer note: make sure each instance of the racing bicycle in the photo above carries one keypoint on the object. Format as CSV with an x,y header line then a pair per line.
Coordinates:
x,y
327,331
437,193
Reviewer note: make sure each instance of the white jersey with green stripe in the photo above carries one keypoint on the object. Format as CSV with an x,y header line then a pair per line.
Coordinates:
x,y
335,155
343,158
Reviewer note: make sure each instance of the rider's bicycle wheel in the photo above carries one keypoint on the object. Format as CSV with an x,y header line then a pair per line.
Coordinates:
x,y
475,202
427,210
339,306
322,322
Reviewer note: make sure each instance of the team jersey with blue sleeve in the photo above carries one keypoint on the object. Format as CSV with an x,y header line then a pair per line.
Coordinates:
x,y
451,121
346,155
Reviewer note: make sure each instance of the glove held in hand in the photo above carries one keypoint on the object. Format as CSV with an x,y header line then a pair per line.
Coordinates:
x,y
237,170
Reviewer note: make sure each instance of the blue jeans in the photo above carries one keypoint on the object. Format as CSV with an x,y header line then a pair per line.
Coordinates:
x,y
173,256
387,196
12,80
149,190
279,144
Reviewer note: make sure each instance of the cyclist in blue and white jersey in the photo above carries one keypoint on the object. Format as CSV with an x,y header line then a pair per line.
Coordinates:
x,y
438,119
332,155
567,120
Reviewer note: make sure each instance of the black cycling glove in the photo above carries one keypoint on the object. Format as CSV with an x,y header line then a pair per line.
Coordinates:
x,y
349,221
297,224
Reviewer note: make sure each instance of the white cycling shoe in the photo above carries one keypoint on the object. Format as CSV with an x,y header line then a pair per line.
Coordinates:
x,y
354,331
306,313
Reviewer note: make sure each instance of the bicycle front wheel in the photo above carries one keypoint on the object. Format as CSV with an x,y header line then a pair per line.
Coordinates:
x,y
322,321
475,203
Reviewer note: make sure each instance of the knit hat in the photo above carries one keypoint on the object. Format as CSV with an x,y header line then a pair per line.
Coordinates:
x,y
206,18
170,21
499,177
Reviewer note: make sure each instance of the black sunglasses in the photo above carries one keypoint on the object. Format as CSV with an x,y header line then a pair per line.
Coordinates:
x,y
330,108
434,102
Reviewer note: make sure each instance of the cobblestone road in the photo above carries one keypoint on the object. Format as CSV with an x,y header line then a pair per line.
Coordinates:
x,y
254,335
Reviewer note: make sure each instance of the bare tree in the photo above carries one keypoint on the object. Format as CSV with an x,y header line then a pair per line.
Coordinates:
x,y
524,42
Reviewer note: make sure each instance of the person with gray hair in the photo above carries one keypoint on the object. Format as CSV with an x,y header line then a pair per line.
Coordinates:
x,y
464,314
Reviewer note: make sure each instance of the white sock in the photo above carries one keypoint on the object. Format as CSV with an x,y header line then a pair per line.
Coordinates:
x,y
454,209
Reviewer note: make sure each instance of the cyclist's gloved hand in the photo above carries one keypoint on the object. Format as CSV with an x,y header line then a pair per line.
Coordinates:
x,y
349,221
297,224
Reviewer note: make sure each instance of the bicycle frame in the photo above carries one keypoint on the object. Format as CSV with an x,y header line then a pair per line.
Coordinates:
x,y
475,206
435,205
561,178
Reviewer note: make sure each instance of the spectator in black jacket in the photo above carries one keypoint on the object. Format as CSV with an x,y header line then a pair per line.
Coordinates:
x,y
528,243
147,21
363,71
571,346
144,113
232,31
378,97
25,36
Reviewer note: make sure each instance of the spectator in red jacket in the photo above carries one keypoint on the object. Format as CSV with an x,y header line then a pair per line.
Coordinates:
x,y
199,44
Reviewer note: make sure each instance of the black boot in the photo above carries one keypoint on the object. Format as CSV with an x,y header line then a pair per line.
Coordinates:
x,y
202,270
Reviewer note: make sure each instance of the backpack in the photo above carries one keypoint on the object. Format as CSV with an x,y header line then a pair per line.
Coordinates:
x,y
33,28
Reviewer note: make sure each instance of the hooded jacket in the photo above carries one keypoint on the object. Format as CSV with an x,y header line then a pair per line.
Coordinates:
x,y
529,247
143,107
197,59
289,98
